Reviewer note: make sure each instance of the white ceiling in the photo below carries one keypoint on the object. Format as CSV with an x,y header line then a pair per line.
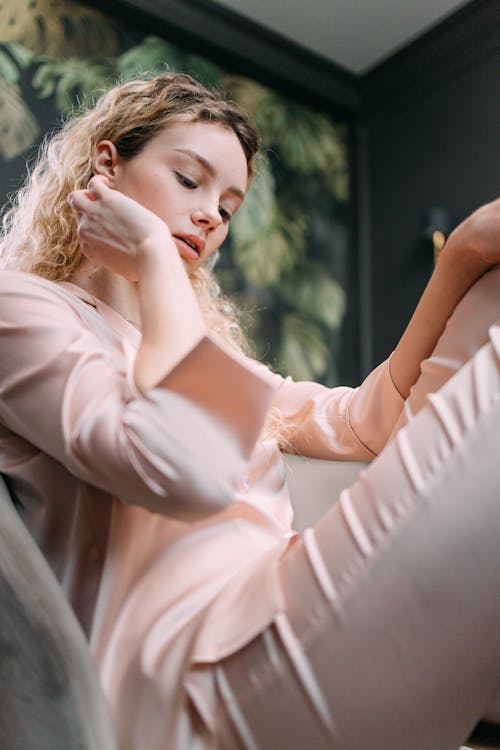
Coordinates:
x,y
356,34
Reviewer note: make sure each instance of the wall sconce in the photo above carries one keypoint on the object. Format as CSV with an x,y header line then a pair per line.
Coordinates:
x,y
437,224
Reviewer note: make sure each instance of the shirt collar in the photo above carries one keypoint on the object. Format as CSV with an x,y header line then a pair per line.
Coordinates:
x,y
79,292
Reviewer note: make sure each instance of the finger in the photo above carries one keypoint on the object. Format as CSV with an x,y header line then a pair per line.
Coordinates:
x,y
79,200
83,225
98,185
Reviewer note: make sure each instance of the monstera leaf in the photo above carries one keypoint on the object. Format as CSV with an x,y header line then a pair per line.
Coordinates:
x,y
273,253
58,28
143,58
309,143
265,242
18,127
316,295
203,70
68,81
154,55
304,140
264,261
303,353
73,79
13,60
291,212
256,100
256,216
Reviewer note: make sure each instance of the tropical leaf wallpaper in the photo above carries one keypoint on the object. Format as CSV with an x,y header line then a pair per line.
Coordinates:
x,y
285,262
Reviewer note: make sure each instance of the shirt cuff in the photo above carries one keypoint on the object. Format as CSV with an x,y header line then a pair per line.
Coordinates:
x,y
223,386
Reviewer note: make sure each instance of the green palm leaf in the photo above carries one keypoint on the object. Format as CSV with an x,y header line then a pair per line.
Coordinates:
x,y
265,243
154,55
316,295
18,127
151,56
8,69
13,60
257,214
58,28
303,353
73,80
264,261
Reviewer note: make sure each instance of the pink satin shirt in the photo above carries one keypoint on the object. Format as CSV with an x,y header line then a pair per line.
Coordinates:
x,y
164,515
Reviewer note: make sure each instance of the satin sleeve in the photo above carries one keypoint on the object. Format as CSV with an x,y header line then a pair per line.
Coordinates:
x,y
341,423
179,450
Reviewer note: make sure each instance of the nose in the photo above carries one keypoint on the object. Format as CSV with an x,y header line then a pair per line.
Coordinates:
x,y
207,217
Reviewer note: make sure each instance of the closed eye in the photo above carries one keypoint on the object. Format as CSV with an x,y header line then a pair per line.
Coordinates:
x,y
185,181
226,216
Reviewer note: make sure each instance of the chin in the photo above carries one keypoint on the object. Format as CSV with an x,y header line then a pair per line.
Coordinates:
x,y
190,266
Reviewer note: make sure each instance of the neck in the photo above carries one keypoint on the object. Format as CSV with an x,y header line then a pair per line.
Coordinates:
x,y
116,291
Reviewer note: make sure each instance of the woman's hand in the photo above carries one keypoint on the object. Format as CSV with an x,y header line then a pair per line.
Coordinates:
x,y
113,228
472,249
479,235
119,234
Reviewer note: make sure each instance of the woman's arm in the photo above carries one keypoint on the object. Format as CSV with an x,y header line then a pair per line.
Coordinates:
x,y
355,423
180,449
171,320
472,248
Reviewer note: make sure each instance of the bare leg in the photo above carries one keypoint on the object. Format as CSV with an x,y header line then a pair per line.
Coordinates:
x,y
391,635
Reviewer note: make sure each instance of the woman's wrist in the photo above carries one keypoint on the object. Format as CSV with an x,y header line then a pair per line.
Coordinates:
x,y
157,251
474,242
171,320
461,263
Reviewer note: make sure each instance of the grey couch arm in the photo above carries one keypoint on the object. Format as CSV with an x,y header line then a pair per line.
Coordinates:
x,y
50,698
315,485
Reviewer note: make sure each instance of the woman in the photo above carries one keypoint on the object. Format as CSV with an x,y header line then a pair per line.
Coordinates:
x,y
143,448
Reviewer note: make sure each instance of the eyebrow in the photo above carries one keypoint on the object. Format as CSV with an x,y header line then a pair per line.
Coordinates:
x,y
208,168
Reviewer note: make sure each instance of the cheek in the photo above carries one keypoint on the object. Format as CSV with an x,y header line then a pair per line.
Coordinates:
x,y
217,239
223,232
144,186
214,242
136,189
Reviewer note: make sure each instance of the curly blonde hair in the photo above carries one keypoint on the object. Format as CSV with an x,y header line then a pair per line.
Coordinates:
x,y
39,229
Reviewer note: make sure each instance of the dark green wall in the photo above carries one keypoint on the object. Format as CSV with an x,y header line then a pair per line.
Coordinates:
x,y
433,127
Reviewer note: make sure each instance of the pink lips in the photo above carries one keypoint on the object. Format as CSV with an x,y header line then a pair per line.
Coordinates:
x,y
190,246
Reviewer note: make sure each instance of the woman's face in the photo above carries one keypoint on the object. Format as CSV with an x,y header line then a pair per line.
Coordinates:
x,y
193,176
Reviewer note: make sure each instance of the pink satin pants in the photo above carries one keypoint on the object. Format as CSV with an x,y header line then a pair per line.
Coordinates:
x,y
391,636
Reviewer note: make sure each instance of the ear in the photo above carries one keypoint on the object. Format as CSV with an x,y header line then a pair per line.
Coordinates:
x,y
106,159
